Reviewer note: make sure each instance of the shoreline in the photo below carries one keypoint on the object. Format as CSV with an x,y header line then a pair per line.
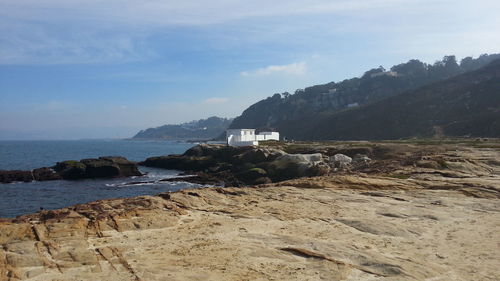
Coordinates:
x,y
437,219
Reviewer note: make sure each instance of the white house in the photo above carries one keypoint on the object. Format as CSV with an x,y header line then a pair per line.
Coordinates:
x,y
244,137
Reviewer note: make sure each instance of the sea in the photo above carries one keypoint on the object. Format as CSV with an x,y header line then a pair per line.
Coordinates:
x,y
23,198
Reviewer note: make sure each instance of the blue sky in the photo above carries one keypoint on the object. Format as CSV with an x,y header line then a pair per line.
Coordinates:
x,y
93,68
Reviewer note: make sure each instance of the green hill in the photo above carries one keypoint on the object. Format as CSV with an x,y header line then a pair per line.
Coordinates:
x,y
384,100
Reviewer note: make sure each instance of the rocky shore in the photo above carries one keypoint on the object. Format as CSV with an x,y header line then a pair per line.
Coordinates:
x,y
402,211
102,167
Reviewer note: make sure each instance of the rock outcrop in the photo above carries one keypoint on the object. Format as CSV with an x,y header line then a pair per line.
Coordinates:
x,y
414,223
8,176
234,166
102,167
45,174
290,166
392,220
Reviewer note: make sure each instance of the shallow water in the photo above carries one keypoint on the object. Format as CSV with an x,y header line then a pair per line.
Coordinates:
x,y
22,198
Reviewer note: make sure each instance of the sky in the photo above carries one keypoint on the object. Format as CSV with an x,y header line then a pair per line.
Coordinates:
x,y
73,69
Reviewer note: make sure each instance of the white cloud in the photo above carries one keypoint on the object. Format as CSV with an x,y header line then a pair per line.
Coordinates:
x,y
215,100
174,12
296,68
96,31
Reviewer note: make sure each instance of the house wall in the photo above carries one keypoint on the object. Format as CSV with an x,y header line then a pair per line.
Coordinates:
x,y
243,137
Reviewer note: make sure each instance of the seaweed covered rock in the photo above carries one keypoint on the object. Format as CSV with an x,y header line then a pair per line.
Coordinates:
x,y
102,167
70,169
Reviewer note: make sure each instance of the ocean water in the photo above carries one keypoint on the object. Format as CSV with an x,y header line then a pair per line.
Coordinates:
x,y
23,198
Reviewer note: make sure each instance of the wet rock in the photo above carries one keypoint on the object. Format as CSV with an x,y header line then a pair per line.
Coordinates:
x,y
127,168
180,162
70,169
99,168
102,167
8,176
45,174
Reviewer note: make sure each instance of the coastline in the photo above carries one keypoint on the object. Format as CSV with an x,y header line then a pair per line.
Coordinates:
x,y
433,224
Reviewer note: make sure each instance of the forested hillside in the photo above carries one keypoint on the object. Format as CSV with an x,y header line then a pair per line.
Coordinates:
x,y
286,112
202,129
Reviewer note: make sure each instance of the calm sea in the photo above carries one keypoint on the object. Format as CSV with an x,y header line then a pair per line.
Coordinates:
x,y
22,198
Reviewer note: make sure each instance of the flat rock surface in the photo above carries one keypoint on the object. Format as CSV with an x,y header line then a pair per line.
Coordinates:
x,y
429,226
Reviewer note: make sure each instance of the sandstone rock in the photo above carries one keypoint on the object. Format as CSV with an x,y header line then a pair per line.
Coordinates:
x,y
352,226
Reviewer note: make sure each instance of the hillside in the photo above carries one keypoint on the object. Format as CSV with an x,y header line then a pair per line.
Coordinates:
x,y
465,105
292,114
202,129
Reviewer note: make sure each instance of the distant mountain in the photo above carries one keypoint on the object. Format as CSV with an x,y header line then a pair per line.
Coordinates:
x,y
308,114
203,129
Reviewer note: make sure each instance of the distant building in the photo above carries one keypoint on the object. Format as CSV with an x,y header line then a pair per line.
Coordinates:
x,y
246,137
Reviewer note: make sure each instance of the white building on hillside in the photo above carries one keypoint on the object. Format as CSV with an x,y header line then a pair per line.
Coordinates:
x,y
244,137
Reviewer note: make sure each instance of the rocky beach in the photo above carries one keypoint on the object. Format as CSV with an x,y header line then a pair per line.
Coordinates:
x,y
386,211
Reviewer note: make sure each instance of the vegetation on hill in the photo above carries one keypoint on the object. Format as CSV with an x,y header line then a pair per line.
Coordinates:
x,y
308,113
467,105
202,129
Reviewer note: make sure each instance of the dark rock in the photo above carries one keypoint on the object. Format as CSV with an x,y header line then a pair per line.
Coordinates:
x,y
351,151
318,169
237,166
180,162
258,155
262,180
8,176
429,164
70,170
198,178
251,175
103,167
45,174
99,168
